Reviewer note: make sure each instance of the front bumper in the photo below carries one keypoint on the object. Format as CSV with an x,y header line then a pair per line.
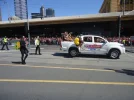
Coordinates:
x,y
123,50
64,49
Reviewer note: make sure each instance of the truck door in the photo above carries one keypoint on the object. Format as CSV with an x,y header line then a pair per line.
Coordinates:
x,y
87,45
100,45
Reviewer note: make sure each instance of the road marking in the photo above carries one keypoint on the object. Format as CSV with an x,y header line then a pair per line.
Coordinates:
x,y
35,48
129,55
13,65
66,82
4,58
4,51
7,50
65,68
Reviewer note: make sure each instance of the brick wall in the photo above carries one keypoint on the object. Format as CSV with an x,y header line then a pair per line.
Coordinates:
x,y
114,6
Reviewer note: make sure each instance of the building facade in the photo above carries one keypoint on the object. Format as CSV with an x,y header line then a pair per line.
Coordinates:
x,y
13,18
20,7
50,12
116,6
42,11
35,15
0,15
98,24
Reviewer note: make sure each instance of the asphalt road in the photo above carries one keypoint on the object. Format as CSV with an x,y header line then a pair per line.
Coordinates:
x,y
55,76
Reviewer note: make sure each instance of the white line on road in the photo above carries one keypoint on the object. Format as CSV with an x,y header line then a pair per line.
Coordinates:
x,y
35,48
1,59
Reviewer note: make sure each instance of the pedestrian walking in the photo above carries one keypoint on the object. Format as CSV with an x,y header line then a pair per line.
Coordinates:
x,y
24,51
25,39
5,43
37,44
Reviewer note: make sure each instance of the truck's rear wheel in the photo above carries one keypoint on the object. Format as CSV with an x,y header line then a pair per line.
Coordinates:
x,y
73,52
114,54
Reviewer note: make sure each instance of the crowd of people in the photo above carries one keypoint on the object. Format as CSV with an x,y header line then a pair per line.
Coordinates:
x,y
43,40
124,40
67,36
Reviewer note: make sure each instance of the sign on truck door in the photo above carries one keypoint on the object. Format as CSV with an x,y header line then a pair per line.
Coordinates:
x,y
87,45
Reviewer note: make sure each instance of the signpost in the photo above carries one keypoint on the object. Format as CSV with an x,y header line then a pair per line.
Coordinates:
x,y
132,39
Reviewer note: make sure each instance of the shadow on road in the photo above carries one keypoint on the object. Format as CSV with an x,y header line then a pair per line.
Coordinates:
x,y
93,56
129,51
31,53
34,54
17,62
66,55
124,71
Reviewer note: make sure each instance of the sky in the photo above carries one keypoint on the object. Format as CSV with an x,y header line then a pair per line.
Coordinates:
x,y
61,7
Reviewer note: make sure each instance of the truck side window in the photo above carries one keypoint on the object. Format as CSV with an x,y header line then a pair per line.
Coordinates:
x,y
99,40
87,39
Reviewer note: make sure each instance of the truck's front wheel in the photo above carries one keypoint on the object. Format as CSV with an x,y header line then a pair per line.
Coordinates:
x,y
114,53
73,52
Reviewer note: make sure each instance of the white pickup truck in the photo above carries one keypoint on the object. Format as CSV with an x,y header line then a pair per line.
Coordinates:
x,y
95,45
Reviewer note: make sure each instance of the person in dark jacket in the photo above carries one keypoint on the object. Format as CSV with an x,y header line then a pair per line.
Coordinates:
x,y
24,51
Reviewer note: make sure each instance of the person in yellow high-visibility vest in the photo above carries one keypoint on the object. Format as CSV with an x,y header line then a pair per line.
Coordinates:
x,y
124,41
17,45
5,43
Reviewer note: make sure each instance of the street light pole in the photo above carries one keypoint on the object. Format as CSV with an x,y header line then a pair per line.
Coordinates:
x,y
124,6
28,28
120,18
120,23
119,26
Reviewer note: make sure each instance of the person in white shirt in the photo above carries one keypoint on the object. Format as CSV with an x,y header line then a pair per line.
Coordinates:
x,y
37,44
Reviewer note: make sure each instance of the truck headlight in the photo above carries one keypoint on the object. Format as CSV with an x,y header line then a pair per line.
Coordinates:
x,y
122,46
